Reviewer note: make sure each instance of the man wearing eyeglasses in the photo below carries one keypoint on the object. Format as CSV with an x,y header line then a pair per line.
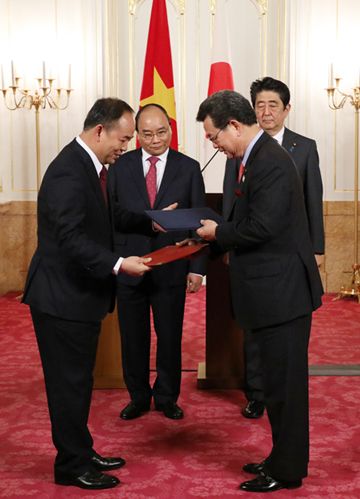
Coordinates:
x,y
271,101
275,283
153,177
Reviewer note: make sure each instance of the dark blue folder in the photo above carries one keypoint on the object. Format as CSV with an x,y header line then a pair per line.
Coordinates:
x,y
183,219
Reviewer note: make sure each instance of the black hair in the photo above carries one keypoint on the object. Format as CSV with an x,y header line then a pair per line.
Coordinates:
x,y
224,106
106,112
268,83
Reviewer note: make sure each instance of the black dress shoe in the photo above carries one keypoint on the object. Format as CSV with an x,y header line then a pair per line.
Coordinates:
x,y
253,410
171,410
107,463
88,480
132,411
254,468
266,483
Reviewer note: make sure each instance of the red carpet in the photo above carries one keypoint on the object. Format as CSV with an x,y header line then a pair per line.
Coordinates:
x,y
193,343
335,334
198,457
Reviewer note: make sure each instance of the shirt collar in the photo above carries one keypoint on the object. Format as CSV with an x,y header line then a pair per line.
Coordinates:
x,y
162,157
279,136
250,146
91,153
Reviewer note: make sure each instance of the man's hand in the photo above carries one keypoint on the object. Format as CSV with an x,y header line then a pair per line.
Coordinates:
x,y
187,242
207,231
156,226
172,206
135,265
194,282
319,260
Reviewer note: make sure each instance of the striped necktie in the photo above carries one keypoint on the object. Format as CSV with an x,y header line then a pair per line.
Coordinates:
x,y
151,180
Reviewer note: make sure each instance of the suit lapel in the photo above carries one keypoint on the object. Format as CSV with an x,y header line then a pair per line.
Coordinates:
x,y
258,145
171,169
262,140
91,172
289,142
137,172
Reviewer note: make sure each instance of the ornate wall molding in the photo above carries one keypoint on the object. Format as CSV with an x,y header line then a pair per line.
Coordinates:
x,y
133,5
179,6
262,6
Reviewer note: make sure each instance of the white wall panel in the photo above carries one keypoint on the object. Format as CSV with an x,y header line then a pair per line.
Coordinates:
x,y
60,32
321,33
105,42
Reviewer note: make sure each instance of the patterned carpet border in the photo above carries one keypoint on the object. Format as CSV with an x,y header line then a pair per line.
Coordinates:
x,y
335,370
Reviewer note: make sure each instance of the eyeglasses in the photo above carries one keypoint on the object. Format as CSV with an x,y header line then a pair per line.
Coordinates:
x,y
214,138
149,136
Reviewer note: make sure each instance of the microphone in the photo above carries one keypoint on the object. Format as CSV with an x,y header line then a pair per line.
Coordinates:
x,y
212,157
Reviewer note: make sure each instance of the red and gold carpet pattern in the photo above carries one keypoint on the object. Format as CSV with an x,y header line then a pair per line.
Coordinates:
x,y
198,457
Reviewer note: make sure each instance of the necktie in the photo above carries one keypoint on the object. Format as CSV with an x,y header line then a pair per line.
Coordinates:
x,y
103,178
241,172
151,180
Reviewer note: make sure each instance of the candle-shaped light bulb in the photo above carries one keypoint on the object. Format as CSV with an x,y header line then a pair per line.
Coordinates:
x,y
12,74
44,74
69,78
331,76
2,78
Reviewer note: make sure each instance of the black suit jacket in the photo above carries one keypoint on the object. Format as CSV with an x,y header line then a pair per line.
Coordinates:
x,y
304,153
182,183
273,271
70,275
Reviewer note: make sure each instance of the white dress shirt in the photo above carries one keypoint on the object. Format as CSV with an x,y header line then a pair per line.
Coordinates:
x,y
279,136
160,166
98,167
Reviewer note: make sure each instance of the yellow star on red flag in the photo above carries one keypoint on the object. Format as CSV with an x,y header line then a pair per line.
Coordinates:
x,y
162,95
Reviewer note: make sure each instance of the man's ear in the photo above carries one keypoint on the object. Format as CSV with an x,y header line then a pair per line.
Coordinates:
x,y
236,125
98,130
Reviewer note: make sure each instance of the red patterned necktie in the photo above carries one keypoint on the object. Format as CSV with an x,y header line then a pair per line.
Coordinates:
x,y
241,172
151,180
103,178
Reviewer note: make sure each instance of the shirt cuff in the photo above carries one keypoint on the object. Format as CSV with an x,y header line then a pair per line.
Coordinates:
x,y
117,266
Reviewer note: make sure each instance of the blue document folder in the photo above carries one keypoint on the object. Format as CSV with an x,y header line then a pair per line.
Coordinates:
x,y
183,219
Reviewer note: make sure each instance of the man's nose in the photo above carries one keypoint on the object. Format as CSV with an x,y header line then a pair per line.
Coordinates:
x,y
124,147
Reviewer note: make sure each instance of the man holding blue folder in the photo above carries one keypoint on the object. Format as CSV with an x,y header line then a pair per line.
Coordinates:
x,y
152,178
275,283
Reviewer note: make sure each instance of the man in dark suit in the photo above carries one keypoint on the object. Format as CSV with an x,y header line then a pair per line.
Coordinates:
x,y
275,282
271,101
177,179
71,284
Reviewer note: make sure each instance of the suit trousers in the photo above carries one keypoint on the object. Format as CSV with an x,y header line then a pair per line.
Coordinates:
x,y
167,305
252,368
68,352
284,359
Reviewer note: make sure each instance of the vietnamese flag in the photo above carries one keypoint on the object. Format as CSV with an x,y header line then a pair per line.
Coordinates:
x,y
221,75
158,81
